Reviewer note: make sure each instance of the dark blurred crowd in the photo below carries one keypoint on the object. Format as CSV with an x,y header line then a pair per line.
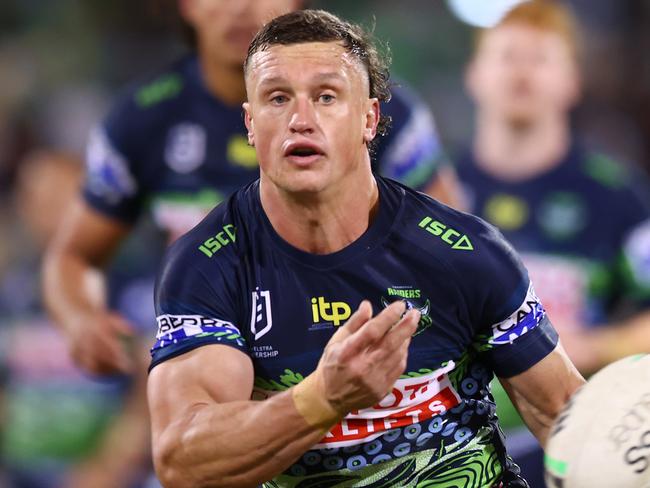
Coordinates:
x,y
61,62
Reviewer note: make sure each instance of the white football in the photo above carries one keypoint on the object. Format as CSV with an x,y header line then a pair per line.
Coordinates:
x,y
602,437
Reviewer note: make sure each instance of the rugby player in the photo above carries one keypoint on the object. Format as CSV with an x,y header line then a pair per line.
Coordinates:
x,y
574,214
329,327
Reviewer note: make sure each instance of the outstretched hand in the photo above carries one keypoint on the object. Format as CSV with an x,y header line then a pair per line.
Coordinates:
x,y
365,357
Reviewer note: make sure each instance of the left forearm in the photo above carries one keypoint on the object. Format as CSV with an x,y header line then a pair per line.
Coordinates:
x,y
538,421
541,392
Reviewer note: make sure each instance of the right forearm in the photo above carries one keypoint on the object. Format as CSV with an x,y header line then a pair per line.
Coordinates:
x,y
257,441
74,292
71,286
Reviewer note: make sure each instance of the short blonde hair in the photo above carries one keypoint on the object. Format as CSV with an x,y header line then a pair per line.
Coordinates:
x,y
546,15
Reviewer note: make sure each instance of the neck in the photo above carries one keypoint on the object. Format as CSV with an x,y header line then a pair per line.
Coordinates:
x,y
520,151
224,81
324,222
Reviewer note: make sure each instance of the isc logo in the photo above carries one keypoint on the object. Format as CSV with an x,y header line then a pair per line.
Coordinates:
x,y
448,235
223,238
335,312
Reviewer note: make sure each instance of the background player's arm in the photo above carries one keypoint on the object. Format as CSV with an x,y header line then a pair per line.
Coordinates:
x,y
124,447
445,187
74,292
592,348
206,431
541,392
597,347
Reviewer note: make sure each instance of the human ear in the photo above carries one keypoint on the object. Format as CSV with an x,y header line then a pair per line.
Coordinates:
x,y
248,121
372,115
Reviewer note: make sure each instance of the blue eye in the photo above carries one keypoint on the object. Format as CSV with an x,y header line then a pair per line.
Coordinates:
x,y
326,98
278,99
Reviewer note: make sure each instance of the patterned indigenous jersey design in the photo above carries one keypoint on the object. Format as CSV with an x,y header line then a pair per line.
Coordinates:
x,y
582,229
233,280
170,146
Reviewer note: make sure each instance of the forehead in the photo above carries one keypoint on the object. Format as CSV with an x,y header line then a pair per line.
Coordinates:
x,y
519,36
306,59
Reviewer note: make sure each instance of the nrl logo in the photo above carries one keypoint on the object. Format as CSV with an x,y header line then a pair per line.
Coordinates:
x,y
425,320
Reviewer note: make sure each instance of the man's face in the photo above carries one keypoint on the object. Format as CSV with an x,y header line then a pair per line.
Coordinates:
x,y
225,28
523,74
309,115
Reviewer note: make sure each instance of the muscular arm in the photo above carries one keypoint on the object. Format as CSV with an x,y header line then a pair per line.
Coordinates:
x,y
540,392
206,432
73,288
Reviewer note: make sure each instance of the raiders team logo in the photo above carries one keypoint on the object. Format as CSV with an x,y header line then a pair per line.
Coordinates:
x,y
413,298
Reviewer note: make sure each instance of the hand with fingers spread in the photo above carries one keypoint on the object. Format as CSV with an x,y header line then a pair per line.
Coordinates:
x,y
360,364
98,342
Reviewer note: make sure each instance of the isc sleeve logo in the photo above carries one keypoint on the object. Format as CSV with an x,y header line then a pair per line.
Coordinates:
x,y
261,317
448,235
227,235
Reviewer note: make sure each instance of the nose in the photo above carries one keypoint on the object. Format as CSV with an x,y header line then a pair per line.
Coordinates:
x,y
303,118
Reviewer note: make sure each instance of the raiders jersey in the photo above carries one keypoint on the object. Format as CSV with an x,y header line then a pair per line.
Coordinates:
x,y
233,280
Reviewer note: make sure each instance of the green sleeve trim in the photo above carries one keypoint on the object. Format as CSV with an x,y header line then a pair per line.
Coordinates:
x,y
165,87
606,171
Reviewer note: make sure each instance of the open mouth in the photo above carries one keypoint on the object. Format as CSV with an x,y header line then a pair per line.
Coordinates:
x,y
302,152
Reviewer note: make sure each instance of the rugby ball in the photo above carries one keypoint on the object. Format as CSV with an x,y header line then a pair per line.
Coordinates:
x,y
602,437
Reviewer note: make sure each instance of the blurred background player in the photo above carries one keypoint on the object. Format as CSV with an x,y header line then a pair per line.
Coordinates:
x,y
576,216
54,418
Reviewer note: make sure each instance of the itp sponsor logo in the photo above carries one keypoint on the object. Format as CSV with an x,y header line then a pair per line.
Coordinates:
x,y
331,312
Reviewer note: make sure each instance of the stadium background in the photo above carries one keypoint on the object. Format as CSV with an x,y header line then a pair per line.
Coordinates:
x,y
61,62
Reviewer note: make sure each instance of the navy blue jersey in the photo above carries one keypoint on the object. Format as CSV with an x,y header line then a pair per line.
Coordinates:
x,y
233,280
170,146
582,229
